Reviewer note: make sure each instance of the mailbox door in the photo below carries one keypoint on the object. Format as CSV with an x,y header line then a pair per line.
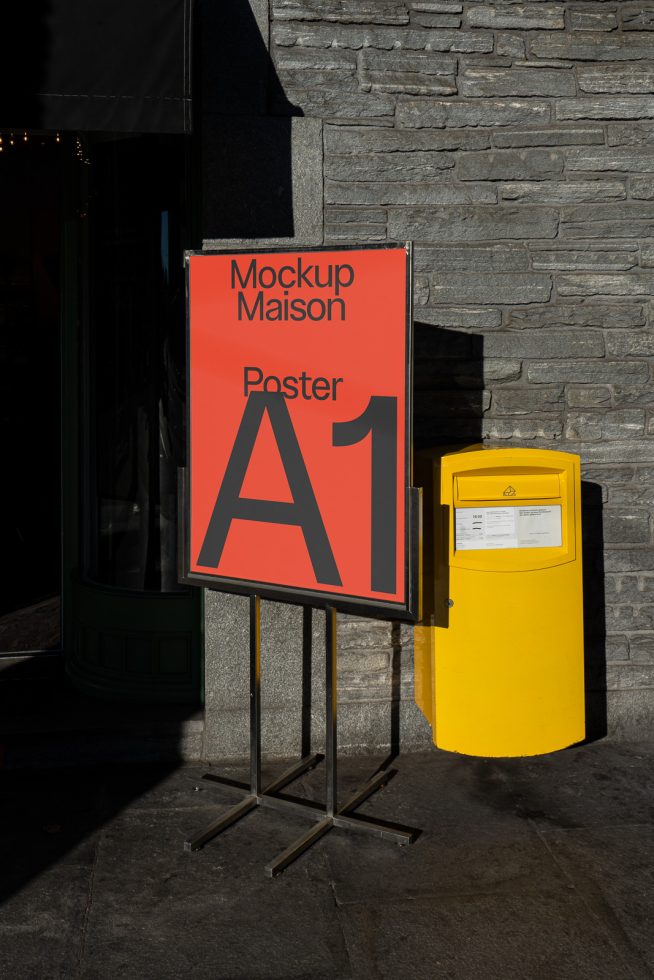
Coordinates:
x,y
508,670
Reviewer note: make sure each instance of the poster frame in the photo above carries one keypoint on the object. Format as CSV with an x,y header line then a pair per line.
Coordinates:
x,y
409,610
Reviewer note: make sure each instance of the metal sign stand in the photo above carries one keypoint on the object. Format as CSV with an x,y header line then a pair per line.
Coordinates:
x,y
326,816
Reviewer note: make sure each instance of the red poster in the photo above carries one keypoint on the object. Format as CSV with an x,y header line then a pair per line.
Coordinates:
x,y
299,429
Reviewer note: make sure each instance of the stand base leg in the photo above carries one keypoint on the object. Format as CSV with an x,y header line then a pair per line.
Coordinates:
x,y
252,801
299,847
222,823
345,820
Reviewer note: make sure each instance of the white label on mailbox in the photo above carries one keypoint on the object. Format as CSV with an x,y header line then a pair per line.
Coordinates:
x,y
488,528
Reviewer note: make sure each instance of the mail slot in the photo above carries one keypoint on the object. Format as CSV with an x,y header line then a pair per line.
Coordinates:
x,y
499,660
507,486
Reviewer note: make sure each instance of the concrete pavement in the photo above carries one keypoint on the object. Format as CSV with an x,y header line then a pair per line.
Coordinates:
x,y
525,868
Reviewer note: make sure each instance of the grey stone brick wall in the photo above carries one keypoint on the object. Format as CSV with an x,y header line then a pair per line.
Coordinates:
x,y
513,142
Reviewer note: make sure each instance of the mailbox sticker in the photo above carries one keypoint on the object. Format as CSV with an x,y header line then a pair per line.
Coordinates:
x,y
490,528
299,421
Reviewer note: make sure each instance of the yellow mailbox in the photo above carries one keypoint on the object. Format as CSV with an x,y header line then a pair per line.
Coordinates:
x,y
499,655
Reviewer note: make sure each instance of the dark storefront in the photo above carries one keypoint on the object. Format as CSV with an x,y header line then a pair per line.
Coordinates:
x,y
95,186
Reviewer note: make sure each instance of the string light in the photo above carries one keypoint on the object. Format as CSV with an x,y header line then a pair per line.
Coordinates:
x,y
34,137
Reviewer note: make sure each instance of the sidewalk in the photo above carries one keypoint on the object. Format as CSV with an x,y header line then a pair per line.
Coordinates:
x,y
538,868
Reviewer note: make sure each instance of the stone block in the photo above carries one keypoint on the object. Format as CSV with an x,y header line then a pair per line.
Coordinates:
x,y
438,114
501,369
578,315
408,193
335,103
630,219
311,67
641,649
364,676
642,188
338,215
420,290
617,79
630,677
628,588
588,396
527,401
610,476
522,17
647,255
510,45
525,430
557,136
630,134
630,210
633,496
629,559
621,451
589,284
563,192
616,648
627,618
592,20
591,46
591,426
606,107
414,73
408,83
460,316
474,258
638,343
589,372
358,12
626,526
359,139
462,287
632,229
369,725
300,79
315,59
354,234
388,166
563,260
492,82
436,20
629,714
637,16
436,6
541,344
366,638
355,37
510,165
471,224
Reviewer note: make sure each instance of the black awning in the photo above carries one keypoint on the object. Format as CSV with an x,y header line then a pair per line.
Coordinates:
x,y
97,65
